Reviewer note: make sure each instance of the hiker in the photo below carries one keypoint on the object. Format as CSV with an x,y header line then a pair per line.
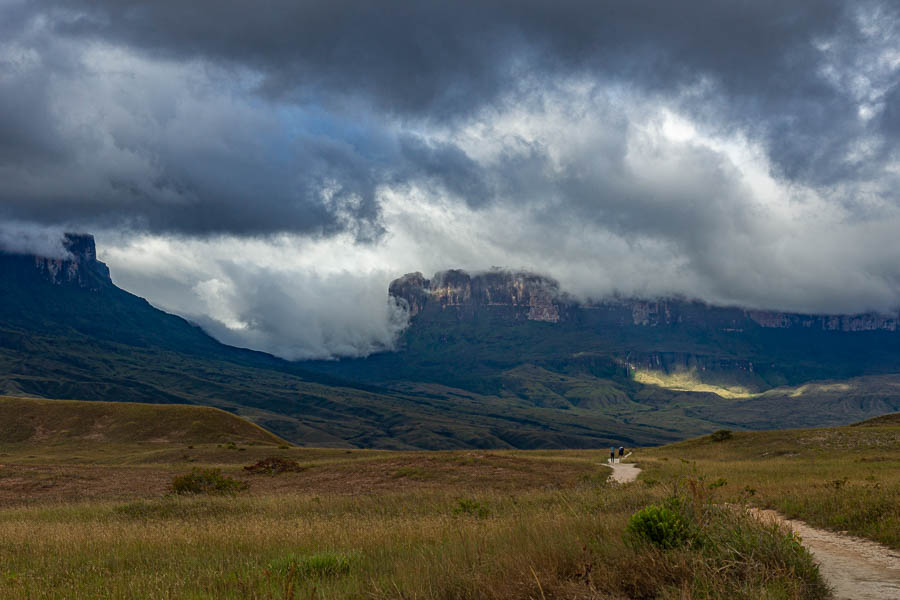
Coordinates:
x,y
621,451
612,454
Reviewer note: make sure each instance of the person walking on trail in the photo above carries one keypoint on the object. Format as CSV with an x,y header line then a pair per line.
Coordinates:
x,y
621,451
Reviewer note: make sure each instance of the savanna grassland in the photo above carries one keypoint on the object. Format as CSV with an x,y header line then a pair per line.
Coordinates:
x,y
846,479
98,517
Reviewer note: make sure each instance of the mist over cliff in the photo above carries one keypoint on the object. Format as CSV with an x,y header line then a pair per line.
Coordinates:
x,y
304,300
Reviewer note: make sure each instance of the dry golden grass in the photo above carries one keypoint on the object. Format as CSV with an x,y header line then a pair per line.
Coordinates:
x,y
487,525
844,479
81,518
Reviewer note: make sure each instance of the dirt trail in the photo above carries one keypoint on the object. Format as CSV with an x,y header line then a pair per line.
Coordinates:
x,y
624,472
856,569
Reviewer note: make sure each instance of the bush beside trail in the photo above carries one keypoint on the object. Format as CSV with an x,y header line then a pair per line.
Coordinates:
x,y
715,550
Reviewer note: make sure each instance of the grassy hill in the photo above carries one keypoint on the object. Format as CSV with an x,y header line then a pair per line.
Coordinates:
x,y
891,420
51,422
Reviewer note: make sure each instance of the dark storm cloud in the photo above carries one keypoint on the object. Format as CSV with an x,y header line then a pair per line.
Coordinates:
x,y
763,69
891,115
446,166
419,56
756,65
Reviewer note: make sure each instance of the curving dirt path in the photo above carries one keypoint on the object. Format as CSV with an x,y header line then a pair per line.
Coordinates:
x,y
855,568
624,472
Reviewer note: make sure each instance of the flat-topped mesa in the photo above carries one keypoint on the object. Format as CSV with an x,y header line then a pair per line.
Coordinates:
x,y
858,322
79,267
525,296
659,312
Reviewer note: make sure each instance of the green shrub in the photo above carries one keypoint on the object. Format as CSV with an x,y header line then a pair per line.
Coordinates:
x,y
274,466
207,481
720,482
721,435
660,526
314,566
474,508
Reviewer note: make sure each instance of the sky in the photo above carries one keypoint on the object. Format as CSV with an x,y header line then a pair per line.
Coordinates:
x,y
266,169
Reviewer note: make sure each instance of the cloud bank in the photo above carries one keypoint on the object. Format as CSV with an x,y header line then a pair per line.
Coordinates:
x,y
268,169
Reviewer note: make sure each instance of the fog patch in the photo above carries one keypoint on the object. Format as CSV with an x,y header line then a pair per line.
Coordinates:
x,y
24,238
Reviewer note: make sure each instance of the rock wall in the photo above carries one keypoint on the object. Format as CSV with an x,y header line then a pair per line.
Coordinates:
x,y
531,297
537,298
80,268
862,322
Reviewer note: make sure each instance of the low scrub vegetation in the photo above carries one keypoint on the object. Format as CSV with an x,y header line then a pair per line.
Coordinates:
x,y
207,481
429,543
274,466
721,435
462,525
844,479
661,526
314,566
727,549
472,508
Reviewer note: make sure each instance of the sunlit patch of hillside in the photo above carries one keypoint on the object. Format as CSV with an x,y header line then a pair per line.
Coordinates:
x,y
810,388
689,381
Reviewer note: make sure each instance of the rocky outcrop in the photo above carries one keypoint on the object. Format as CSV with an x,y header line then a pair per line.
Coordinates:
x,y
526,296
863,322
80,268
530,297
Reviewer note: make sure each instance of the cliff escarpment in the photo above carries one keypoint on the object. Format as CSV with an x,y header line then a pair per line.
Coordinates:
x,y
520,295
523,296
79,268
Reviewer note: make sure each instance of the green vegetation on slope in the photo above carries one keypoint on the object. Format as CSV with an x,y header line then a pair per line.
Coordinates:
x,y
488,383
891,420
684,378
63,341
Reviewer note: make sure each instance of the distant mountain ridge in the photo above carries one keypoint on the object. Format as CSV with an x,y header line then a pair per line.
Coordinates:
x,y
538,298
674,363
493,360
68,332
763,349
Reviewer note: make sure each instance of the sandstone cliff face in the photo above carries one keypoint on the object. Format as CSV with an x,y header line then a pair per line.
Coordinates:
x,y
863,322
530,297
81,268
537,298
